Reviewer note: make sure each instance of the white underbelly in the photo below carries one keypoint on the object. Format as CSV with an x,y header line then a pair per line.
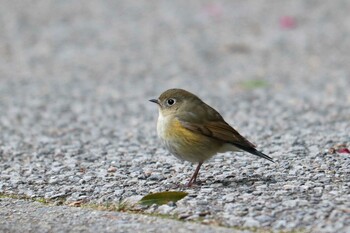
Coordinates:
x,y
162,124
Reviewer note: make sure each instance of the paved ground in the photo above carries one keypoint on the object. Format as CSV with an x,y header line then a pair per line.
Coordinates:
x,y
22,216
76,124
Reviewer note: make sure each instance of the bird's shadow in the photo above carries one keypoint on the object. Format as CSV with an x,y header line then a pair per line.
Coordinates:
x,y
227,181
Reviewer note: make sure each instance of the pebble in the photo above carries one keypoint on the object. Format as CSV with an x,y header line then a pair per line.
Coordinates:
x,y
229,197
112,169
156,176
263,218
291,203
251,222
165,209
280,224
118,192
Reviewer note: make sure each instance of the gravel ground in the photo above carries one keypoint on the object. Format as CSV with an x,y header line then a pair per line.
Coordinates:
x,y
76,123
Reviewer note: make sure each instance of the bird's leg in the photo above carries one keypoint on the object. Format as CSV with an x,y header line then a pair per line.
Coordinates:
x,y
194,176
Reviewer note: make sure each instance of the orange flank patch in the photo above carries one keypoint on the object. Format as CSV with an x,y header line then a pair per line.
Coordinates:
x,y
178,132
188,145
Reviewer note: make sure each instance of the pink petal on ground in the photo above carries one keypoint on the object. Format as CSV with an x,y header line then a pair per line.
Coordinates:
x,y
344,150
213,10
287,22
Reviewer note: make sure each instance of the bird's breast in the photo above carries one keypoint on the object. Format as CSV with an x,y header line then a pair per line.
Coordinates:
x,y
169,128
162,125
183,143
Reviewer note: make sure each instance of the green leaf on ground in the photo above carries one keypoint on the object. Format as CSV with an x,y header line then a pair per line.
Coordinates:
x,y
254,83
162,198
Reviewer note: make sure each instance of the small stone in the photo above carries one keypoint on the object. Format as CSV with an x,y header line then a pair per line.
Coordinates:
x,y
56,169
87,178
53,180
290,203
331,151
251,222
203,213
147,173
304,188
289,187
57,195
202,202
280,224
241,212
156,176
112,169
133,200
183,216
165,209
261,187
118,192
207,190
263,218
229,197
318,190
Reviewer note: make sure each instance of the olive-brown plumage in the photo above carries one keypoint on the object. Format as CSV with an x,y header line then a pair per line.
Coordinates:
x,y
193,131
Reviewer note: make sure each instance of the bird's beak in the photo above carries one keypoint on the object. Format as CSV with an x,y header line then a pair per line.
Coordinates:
x,y
154,101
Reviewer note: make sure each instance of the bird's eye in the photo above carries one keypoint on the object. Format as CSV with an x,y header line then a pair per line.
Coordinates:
x,y
170,101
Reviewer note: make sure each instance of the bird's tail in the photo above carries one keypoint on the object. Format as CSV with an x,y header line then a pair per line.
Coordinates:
x,y
254,151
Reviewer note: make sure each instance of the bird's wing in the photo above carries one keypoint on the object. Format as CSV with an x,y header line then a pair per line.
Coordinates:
x,y
214,126
219,130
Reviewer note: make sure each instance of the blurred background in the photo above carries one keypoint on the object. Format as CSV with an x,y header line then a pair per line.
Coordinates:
x,y
98,62
201,45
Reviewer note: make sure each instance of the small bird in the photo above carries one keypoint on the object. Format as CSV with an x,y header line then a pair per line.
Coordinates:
x,y
193,131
